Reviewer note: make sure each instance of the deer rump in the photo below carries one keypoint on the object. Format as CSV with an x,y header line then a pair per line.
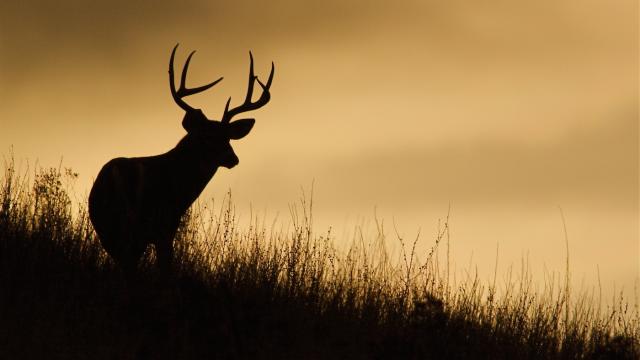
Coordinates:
x,y
129,210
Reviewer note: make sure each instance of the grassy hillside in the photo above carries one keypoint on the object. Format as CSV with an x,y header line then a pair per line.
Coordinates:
x,y
261,293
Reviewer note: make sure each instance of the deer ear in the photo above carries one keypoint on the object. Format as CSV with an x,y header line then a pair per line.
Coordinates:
x,y
193,120
240,128
188,124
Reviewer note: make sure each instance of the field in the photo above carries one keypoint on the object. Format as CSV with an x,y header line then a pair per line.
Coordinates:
x,y
262,292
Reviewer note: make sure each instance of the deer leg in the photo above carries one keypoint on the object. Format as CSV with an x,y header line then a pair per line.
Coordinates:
x,y
128,261
164,252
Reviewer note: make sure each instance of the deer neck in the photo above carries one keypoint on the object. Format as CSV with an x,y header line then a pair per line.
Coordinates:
x,y
195,168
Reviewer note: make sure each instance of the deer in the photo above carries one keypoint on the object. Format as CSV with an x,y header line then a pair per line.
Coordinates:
x,y
138,201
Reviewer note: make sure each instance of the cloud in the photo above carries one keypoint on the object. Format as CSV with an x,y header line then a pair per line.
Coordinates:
x,y
381,53
42,36
37,28
597,166
39,38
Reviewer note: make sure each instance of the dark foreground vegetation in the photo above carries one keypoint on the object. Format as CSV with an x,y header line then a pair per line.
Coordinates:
x,y
263,293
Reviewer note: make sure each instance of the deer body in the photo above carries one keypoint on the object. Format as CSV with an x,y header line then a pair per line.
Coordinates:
x,y
139,201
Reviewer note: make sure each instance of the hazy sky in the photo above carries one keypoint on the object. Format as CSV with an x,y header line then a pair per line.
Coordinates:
x,y
505,110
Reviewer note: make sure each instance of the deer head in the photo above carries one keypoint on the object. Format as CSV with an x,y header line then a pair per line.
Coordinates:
x,y
212,137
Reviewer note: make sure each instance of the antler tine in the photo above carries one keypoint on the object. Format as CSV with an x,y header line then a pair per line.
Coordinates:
x,y
266,87
183,90
252,78
226,107
248,105
172,84
185,68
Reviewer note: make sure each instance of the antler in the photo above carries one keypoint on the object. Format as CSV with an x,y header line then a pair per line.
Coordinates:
x,y
183,90
248,105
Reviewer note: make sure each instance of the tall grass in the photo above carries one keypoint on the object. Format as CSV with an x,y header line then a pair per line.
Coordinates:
x,y
260,291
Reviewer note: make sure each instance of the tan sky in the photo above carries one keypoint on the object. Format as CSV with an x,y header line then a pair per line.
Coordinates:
x,y
503,109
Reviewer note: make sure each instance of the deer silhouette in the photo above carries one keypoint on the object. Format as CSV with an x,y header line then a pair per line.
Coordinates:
x,y
139,201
